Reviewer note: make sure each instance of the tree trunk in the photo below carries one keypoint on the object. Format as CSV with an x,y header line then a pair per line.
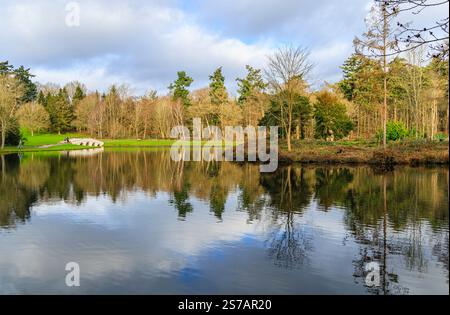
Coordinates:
x,y
4,128
385,34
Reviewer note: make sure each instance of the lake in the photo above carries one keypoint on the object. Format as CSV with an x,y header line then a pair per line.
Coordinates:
x,y
137,222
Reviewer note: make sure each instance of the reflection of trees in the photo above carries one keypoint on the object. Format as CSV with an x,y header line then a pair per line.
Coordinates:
x,y
331,183
288,188
288,242
290,193
180,201
389,215
440,250
16,198
72,179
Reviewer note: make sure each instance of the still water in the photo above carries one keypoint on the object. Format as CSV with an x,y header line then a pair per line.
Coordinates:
x,y
137,222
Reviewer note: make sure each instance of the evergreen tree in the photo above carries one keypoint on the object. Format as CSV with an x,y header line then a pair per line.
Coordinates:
x,y
350,68
250,85
30,89
60,111
218,92
218,95
179,88
42,99
5,67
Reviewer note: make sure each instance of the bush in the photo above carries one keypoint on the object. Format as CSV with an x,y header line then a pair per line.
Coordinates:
x,y
395,130
440,137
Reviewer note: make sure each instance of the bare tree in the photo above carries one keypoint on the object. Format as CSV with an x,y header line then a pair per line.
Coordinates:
x,y
10,92
410,36
287,71
33,116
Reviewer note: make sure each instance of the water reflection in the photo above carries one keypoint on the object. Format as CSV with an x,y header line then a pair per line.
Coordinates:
x,y
298,230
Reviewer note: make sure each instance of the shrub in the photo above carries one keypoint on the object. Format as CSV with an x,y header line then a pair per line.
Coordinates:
x,y
395,130
440,137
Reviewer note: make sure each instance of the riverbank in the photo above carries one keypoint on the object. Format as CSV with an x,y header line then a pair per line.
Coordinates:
x,y
354,152
417,152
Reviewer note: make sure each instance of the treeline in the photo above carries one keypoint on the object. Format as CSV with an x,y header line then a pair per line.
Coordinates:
x,y
418,102
385,94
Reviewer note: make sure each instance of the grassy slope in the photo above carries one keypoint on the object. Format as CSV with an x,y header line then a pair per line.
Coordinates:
x,y
33,143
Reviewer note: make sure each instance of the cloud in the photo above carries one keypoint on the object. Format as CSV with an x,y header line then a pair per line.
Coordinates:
x,y
144,43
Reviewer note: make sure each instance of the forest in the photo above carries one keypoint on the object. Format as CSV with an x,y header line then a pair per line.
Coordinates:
x,y
386,94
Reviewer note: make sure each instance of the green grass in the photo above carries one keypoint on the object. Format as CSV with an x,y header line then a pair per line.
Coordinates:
x,y
46,139
35,143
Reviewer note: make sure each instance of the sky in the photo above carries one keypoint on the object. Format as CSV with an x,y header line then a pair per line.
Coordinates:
x,y
144,43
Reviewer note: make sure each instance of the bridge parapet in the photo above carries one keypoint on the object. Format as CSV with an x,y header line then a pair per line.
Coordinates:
x,y
90,142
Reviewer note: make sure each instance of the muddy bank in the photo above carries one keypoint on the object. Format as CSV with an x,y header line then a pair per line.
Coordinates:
x,y
424,154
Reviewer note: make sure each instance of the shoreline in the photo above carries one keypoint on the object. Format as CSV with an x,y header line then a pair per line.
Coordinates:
x,y
412,152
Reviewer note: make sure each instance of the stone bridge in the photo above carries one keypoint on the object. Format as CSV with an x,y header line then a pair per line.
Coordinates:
x,y
89,142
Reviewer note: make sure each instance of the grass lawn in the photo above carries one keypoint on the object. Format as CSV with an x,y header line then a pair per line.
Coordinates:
x,y
35,143
46,139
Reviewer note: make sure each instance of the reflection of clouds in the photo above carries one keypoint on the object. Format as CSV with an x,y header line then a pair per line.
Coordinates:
x,y
144,236
140,245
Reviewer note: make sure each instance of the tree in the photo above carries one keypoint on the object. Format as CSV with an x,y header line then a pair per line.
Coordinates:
x,y
75,90
179,88
363,86
11,91
5,68
78,95
218,95
410,36
301,112
30,89
33,117
378,42
41,98
252,98
331,116
286,73
351,67
60,111
24,76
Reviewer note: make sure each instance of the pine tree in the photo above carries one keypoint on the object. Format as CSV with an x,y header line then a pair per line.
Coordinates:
x,y
5,67
251,85
218,92
78,95
218,95
350,68
30,89
60,111
42,99
179,88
